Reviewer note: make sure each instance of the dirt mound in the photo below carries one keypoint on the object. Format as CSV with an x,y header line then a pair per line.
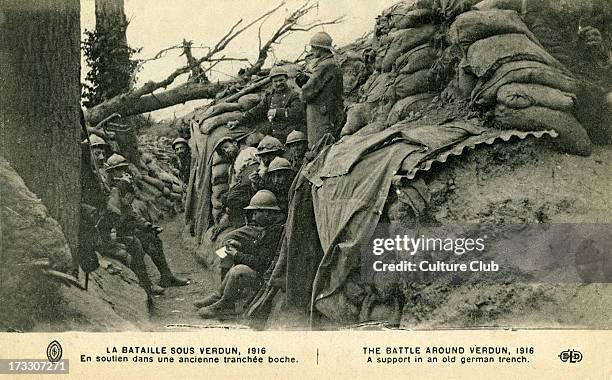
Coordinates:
x,y
516,183
32,299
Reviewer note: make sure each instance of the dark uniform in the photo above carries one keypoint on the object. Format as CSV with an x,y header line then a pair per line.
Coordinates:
x,y
323,97
289,114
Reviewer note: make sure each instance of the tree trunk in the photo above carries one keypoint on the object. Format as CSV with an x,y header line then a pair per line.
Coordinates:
x,y
39,102
127,106
110,15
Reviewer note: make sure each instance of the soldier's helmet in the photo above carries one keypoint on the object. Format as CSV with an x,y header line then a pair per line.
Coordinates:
x,y
179,140
270,144
263,200
278,164
95,140
278,71
116,161
321,40
295,137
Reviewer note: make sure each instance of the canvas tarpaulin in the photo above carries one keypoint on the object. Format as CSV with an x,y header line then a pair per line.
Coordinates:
x,y
347,208
198,207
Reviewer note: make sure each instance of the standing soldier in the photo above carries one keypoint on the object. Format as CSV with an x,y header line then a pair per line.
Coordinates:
x,y
322,90
183,155
282,106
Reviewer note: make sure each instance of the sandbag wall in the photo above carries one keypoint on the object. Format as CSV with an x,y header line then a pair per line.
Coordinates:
x,y
401,83
505,70
159,191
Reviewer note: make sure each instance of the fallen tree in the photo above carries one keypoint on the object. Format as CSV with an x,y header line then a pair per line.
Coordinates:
x,y
145,99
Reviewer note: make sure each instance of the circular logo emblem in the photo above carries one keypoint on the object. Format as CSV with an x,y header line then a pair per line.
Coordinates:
x,y
54,351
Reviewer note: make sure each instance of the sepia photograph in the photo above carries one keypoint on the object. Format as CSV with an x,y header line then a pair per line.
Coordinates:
x,y
305,166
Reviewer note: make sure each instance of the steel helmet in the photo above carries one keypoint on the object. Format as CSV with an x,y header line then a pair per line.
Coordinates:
x,y
296,136
179,140
116,161
321,40
279,163
95,140
277,71
263,200
270,144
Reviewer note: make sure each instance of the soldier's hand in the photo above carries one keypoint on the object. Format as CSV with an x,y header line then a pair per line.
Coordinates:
x,y
590,35
301,78
233,124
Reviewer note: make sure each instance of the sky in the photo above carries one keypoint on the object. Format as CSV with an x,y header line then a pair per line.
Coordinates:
x,y
158,24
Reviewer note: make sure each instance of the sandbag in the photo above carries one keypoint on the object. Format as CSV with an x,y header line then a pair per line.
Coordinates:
x,y
487,55
248,101
177,189
376,87
515,5
419,58
219,109
402,108
169,178
523,95
216,121
485,92
412,84
477,25
572,138
357,116
405,40
149,189
413,19
159,184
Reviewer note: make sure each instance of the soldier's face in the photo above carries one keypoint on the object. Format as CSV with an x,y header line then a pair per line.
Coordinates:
x,y
99,154
278,179
279,82
298,149
262,217
181,150
229,149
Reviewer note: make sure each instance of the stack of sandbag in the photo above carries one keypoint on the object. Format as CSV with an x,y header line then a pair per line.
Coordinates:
x,y
219,183
401,83
161,149
410,58
160,191
217,115
525,86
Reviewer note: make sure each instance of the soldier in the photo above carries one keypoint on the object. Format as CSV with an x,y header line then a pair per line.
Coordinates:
x,y
183,155
244,163
322,90
128,237
251,249
297,146
282,106
99,149
268,149
278,179
116,167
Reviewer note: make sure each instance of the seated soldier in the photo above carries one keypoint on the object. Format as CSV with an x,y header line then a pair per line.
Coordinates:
x,y
244,162
278,179
297,146
116,167
127,237
268,149
251,248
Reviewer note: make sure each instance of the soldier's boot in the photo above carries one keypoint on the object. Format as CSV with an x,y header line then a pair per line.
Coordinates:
x,y
167,277
207,301
221,308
